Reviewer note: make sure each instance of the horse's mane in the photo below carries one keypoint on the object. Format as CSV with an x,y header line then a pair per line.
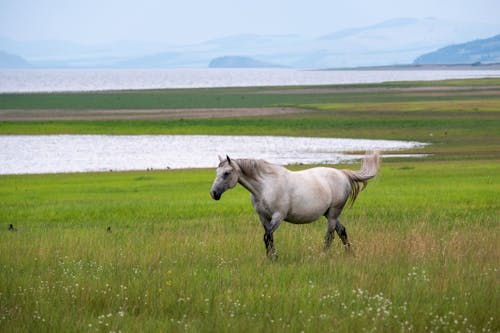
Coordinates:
x,y
255,168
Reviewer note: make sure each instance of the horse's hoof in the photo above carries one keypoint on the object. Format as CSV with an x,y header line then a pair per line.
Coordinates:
x,y
349,250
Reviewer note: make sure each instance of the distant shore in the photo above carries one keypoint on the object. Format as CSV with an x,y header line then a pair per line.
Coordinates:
x,y
413,67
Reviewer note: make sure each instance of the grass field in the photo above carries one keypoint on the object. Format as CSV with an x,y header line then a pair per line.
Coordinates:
x,y
425,232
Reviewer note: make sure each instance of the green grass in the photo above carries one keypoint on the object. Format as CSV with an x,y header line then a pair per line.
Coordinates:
x,y
235,97
425,236
425,231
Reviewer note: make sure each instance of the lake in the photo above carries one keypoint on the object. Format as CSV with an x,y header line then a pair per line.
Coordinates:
x,y
53,80
28,154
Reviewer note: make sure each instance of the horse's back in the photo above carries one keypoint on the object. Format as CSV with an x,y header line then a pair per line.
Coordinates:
x,y
334,179
329,176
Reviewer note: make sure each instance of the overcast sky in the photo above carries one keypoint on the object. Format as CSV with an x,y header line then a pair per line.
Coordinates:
x,y
189,21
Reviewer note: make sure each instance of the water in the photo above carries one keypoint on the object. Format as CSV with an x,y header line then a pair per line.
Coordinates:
x,y
121,79
26,154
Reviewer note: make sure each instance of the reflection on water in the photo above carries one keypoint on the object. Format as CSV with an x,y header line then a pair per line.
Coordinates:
x,y
20,154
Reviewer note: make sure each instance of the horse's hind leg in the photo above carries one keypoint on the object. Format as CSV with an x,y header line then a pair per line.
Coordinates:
x,y
332,215
330,233
340,229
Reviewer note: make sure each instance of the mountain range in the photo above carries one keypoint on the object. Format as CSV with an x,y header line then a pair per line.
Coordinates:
x,y
392,42
484,51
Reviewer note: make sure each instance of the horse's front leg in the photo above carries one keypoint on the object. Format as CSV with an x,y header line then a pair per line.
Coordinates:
x,y
269,228
269,243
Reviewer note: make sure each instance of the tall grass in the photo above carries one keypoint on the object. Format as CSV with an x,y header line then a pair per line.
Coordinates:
x,y
426,255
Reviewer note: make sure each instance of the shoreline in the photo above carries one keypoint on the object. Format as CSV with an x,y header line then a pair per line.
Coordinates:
x,y
53,81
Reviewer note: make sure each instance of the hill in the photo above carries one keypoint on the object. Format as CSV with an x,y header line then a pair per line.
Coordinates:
x,y
485,51
8,60
239,62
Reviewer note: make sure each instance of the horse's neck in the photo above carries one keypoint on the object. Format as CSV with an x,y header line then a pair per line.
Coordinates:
x,y
251,177
252,186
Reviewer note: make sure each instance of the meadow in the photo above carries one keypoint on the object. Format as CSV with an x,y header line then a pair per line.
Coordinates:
x,y
425,232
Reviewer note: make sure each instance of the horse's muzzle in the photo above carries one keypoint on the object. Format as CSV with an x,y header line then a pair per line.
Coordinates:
x,y
215,195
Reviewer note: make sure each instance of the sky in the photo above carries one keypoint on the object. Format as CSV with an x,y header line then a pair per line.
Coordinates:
x,y
191,21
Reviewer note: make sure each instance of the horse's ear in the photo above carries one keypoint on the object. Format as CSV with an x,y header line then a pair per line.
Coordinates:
x,y
221,159
228,159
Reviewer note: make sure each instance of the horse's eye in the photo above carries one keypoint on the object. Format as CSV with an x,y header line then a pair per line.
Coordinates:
x,y
226,174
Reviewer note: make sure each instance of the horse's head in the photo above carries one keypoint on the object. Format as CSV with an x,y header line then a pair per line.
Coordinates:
x,y
226,177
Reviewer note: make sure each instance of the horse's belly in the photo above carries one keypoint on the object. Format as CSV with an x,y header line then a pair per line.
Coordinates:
x,y
306,214
302,219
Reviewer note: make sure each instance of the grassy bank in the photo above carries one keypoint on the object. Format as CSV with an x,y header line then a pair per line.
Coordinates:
x,y
425,232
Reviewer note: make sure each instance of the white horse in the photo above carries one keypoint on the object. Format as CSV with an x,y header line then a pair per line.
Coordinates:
x,y
278,194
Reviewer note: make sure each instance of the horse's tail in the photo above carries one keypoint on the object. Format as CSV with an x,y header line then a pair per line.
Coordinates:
x,y
369,169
